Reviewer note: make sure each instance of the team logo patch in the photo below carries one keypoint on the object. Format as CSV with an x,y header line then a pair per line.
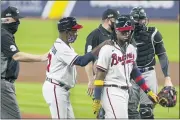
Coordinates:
x,y
89,48
13,48
110,15
8,14
17,11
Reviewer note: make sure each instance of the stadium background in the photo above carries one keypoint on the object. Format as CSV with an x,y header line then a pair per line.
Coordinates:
x,y
38,31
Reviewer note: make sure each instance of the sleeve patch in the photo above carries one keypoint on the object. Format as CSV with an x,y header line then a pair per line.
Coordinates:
x,y
89,48
13,48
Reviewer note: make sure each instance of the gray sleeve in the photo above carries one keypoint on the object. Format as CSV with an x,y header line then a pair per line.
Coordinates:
x,y
163,59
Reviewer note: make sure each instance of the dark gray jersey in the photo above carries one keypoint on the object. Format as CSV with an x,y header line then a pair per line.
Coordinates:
x,y
149,43
9,67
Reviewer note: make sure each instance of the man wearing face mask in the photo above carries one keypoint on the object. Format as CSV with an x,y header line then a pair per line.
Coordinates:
x,y
97,36
149,42
10,58
61,69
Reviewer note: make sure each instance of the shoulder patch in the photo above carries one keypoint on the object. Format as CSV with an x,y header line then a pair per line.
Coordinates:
x,y
89,48
13,48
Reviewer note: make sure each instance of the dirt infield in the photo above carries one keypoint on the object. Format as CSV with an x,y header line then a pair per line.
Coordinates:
x,y
35,72
35,116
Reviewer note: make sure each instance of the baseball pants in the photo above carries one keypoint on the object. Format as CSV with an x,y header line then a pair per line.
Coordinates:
x,y
9,105
115,102
58,100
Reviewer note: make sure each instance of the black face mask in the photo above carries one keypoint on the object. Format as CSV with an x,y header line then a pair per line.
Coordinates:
x,y
139,27
112,26
11,27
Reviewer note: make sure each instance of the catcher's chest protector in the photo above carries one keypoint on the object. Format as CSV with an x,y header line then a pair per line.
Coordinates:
x,y
145,47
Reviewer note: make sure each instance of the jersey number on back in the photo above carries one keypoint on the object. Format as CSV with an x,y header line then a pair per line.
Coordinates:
x,y
49,61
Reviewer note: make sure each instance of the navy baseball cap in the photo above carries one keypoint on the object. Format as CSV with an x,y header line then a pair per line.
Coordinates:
x,y
68,23
110,13
11,12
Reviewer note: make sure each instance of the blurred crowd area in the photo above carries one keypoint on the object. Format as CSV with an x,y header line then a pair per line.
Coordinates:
x,y
166,10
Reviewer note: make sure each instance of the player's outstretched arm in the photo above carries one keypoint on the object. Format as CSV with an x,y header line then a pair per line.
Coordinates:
x,y
26,57
84,60
137,77
90,56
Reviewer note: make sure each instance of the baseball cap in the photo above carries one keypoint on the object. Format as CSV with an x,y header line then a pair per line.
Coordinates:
x,y
110,13
11,12
124,23
68,23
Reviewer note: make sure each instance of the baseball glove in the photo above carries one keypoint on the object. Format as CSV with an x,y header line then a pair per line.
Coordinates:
x,y
167,96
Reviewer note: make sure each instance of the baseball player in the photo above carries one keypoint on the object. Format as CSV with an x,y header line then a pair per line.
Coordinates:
x,y
97,36
61,71
10,58
115,65
149,42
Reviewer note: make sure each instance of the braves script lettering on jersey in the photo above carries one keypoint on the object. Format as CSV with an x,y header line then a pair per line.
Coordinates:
x,y
118,67
61,76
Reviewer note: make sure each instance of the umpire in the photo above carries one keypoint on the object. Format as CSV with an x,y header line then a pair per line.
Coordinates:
x,y
10,57
149,43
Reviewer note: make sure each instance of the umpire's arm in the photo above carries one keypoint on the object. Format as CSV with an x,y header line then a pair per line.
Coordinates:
x,y
10,49
89,67
160,51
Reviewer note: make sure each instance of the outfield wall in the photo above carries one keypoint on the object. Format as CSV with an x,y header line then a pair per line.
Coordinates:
x,y
92,9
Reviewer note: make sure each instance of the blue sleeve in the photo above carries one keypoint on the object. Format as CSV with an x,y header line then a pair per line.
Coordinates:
x,y
97,92
84,60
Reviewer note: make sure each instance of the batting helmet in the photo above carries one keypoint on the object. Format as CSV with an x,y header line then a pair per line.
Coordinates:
x,y
68,24
124,23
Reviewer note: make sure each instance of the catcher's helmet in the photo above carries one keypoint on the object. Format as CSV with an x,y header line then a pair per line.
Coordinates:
x,y
138,13
124,23
67,24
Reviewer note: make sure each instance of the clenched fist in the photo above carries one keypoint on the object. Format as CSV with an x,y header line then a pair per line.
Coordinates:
x,y
96,106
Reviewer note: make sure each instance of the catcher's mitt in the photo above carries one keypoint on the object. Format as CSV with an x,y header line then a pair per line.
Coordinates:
x,y
167,96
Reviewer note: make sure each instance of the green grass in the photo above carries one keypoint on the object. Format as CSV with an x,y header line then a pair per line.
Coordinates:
x,y
30,99
37,36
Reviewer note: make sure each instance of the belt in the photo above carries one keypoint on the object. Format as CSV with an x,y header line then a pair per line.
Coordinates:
x,y
142,70
122,87
58,83
8,79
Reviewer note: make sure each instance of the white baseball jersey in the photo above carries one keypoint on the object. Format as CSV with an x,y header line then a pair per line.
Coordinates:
x,y
60,63
117,65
